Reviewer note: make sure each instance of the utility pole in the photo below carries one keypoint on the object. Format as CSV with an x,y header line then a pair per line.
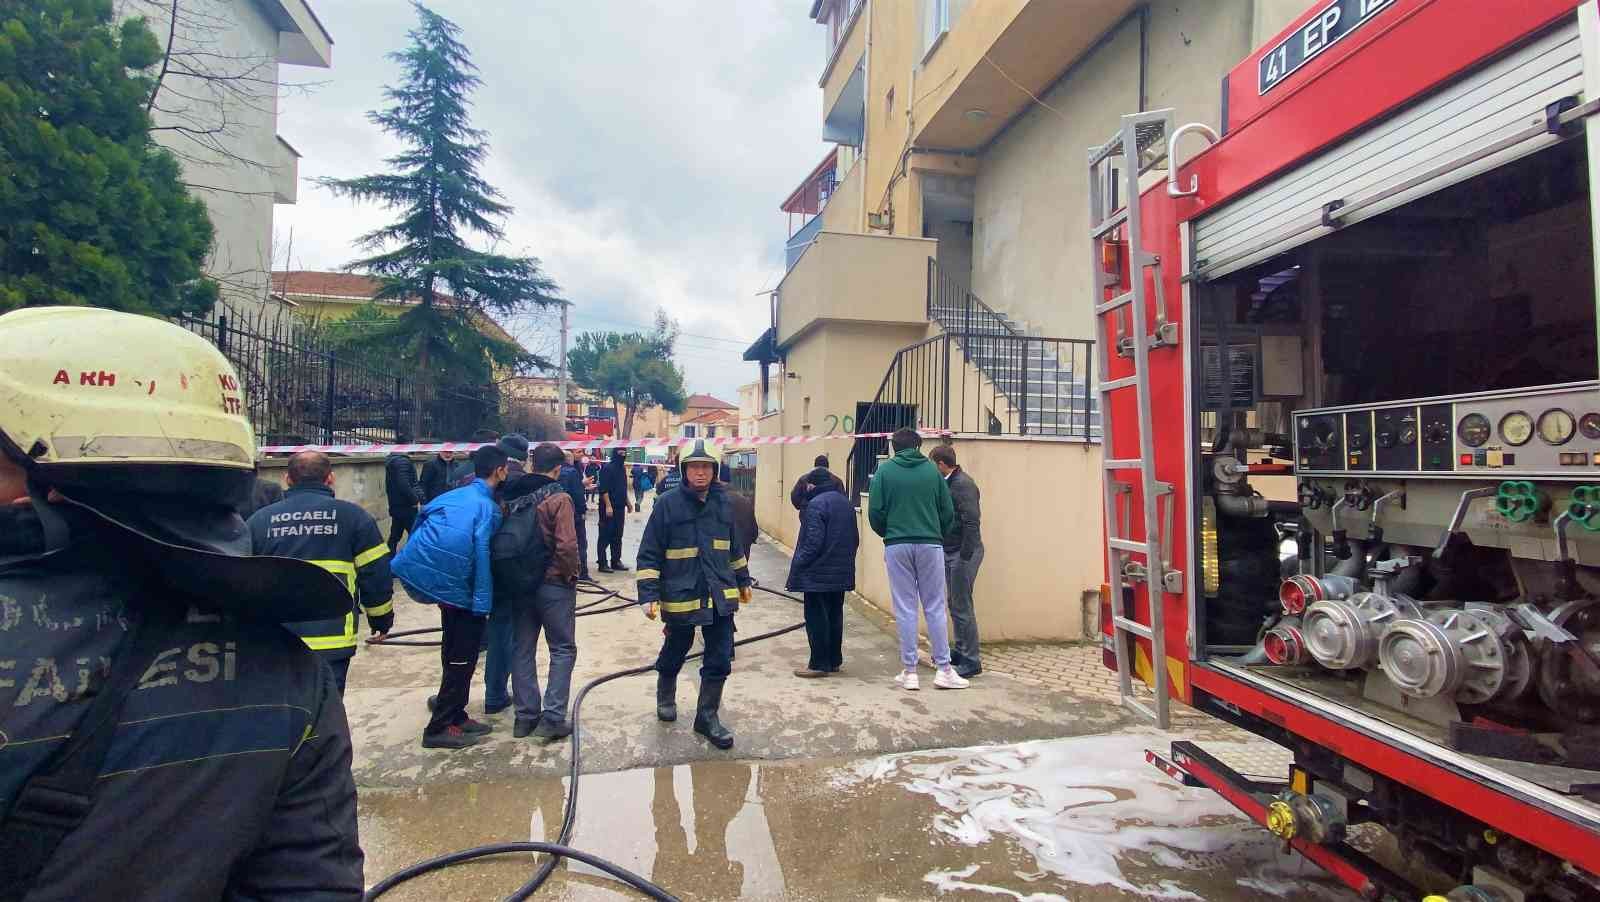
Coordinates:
x,y
561,380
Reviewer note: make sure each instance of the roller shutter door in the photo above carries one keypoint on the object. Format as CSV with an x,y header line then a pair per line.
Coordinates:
x,y
1486,119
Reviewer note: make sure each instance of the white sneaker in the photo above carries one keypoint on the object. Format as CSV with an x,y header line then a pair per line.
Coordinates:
x,y
907,680
947,678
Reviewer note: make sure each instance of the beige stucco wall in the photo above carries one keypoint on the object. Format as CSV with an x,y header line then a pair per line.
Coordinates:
x,y
1273,16
1041,538
829,370
356,478
843,212
864,278
1030,235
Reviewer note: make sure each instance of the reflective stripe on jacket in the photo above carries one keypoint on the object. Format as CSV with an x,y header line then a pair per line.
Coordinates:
x,y
688,561
341,538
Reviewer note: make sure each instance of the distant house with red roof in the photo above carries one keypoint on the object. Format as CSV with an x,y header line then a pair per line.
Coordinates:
x,y
330,296
704,416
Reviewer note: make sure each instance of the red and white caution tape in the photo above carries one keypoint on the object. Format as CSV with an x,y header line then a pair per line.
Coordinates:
x,y
599,444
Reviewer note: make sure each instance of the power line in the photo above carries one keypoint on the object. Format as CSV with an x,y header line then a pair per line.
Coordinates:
x,y
579,315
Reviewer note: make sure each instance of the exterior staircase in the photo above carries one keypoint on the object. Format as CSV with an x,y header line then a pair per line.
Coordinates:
x,y
1045,380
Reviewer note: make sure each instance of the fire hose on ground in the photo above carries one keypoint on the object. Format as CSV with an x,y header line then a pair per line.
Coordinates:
x,y
560,849
585,587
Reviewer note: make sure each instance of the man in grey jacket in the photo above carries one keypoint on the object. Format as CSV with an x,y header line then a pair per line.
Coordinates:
x,y
963,555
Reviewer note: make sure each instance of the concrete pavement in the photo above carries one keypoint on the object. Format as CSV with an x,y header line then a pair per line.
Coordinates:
x,y
773,714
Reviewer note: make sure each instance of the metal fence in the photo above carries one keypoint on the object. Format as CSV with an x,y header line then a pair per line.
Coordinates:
x,y
298,391
981,384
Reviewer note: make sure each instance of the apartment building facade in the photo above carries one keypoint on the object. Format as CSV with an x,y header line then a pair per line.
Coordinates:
x,y
939,260
217,110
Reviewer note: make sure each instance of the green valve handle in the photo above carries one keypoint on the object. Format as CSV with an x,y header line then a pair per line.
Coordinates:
x,y
1520,501
1585,507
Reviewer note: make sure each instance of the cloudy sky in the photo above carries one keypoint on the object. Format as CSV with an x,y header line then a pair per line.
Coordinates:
x,y
645,147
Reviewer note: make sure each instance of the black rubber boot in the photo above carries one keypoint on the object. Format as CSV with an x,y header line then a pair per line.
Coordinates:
x,y
705,715
666,697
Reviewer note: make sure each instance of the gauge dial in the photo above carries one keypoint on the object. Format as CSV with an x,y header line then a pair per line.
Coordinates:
x,y
1516,428
1556,426
1408,434
1589,425
1473,430
1386,438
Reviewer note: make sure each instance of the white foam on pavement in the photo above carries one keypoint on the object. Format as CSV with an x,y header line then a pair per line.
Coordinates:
x,y
1092,812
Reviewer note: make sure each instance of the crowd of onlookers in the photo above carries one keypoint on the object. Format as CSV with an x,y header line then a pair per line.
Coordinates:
x,y
498,542
926,509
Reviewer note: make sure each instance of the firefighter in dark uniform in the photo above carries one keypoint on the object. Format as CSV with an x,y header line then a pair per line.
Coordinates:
x,y
161,736
693,575
309,524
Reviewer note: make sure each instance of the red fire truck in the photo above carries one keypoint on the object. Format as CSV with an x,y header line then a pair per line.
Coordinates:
x,y
1352,466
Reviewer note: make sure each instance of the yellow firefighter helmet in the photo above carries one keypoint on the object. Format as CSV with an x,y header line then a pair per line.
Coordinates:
x,y
84,386
701,452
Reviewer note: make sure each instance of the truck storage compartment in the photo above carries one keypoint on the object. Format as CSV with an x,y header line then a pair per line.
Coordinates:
x,y
1429,375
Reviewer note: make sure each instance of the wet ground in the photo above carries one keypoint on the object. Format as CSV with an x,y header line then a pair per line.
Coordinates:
x,y
1081,818
837,789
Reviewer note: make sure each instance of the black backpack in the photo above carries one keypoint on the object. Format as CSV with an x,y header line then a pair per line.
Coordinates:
x,y
518,553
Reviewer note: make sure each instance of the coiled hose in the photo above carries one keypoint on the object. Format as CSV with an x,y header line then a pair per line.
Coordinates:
x,y
560,849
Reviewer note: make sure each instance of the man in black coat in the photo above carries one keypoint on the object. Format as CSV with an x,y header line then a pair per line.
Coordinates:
x,y
824,568
963,555
436,475
614,507
801,493
405,494
572,479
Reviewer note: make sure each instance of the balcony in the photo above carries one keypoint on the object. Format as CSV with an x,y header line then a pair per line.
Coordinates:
x,y
1030,43
867,279
804,205
843,81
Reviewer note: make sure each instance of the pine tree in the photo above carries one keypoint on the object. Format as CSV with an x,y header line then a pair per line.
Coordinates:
x,y
92,211
434,185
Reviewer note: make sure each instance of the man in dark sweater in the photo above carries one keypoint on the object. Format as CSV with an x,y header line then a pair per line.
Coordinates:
x,y
963,555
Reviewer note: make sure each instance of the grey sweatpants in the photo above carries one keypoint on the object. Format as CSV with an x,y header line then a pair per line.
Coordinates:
x,y
916,583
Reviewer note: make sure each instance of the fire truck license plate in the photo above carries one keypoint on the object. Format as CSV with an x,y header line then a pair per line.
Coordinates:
x,y
1336,20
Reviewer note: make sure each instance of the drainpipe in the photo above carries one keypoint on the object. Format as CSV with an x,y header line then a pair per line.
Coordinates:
x,y
866,92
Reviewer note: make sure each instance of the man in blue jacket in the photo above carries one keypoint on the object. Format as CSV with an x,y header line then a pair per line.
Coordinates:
x,y
824,568
446,562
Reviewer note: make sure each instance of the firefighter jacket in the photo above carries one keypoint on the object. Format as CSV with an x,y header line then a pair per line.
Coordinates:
x,y
228,776
688,561
311,525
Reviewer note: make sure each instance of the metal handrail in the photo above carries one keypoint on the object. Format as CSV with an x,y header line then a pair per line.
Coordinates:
x,y
1039,386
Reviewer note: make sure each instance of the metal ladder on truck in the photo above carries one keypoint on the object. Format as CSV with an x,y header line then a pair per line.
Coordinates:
x,y
1114,171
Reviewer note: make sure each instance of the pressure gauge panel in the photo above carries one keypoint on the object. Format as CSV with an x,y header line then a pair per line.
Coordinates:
x,y
1516,428
1556,426
1473,430
1484,435
1395,434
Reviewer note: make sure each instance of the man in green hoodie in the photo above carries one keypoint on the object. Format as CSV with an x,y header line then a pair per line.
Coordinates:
x,y
909,506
